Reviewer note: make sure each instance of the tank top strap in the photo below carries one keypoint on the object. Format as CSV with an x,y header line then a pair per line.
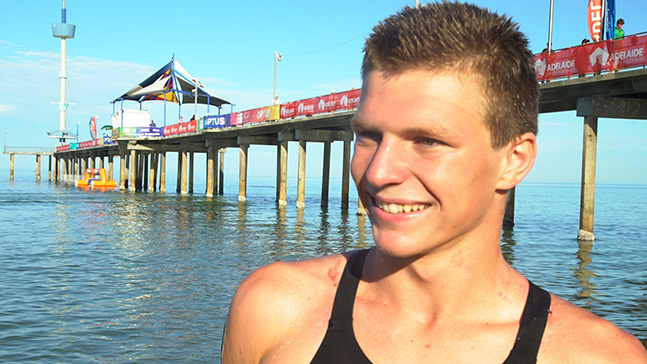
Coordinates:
x,y
531,330
347,289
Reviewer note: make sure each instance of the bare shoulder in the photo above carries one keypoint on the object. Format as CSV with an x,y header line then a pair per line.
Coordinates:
x,y
277,303
575,335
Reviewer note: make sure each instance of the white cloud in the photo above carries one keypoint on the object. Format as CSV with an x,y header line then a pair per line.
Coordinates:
x,y
7,108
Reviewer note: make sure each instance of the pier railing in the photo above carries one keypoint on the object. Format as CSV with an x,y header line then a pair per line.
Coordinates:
x,y
29,150
593,58
325,104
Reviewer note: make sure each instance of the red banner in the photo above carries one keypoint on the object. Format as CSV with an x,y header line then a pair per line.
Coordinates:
x,y
592,58
323,104
62,148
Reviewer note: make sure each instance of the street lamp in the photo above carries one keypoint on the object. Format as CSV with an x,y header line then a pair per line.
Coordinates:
x,y
277,58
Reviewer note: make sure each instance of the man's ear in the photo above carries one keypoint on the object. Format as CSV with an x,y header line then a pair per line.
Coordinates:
x,y
519,159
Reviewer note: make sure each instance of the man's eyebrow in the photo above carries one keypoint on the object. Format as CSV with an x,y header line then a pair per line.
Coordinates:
x,y
358,122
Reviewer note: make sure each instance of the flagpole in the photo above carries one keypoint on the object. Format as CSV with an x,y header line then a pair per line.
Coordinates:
x,y
550,26
604,20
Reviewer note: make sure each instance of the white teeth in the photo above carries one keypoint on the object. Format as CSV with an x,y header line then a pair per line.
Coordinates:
x,y
393,208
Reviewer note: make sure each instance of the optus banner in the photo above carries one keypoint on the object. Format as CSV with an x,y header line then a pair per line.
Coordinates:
x,y
592,58
256,115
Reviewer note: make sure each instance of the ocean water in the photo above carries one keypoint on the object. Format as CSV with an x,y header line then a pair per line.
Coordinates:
x,y
116,277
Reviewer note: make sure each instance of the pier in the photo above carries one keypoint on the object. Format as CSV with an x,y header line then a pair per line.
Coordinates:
x,y
33,151
142,160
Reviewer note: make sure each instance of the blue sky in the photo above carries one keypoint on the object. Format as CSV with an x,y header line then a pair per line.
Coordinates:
x,y
229,46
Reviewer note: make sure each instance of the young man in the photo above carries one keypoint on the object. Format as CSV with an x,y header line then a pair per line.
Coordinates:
x,y
445,128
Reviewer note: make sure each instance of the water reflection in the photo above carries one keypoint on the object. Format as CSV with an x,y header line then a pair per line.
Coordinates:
x,y
585,295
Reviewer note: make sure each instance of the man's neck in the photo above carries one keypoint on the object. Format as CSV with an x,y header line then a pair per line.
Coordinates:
x,y
453,283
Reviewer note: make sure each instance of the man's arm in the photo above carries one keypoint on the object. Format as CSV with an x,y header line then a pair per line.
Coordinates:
x,y
250,325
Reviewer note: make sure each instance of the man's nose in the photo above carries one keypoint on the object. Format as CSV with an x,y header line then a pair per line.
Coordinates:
x,y
388,165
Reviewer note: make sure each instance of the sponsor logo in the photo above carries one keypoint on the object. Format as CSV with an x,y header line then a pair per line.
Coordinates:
x,y
599,55
540,66
343,102
561,65
628,54
302,108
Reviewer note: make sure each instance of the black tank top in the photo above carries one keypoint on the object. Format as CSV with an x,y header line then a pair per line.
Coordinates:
x,y
340,346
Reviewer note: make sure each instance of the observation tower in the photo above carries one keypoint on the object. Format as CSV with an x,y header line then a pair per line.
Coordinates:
x,y
64,31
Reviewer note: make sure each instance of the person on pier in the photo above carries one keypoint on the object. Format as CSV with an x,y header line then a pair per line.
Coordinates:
x,y
445,128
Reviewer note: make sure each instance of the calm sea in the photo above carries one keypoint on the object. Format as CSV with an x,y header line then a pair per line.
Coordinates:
x,y
118,277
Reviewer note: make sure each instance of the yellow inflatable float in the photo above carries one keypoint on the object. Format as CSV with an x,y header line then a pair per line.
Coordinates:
x,y
95,178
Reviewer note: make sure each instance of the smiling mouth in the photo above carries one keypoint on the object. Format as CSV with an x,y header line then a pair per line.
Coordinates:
x,y
393,208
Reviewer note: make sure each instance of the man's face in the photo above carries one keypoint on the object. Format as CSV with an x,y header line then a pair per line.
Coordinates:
x,y
423,164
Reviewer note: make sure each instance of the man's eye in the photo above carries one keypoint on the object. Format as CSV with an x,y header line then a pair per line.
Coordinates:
x,y
428,142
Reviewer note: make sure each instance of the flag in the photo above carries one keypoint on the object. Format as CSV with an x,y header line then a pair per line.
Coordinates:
x,y
610,19
594,13
93,127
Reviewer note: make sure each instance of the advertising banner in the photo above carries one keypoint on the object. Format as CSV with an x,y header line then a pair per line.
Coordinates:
x,y
90,143
261,114
171,130
594,14
346,100
149,131
93,127
592,58
62,148
217,121
192,126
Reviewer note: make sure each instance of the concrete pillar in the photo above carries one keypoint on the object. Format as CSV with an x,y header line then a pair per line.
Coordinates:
x,y
178,186
221,171
38,167
184,179
132,181
49,169
191,165
55,171
211,151
242,173
128,164
145,170
111,166
587,194
345,177
152,175
282,173
508,217
163,172
301,181
122,171
70,167
325,175
12,159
